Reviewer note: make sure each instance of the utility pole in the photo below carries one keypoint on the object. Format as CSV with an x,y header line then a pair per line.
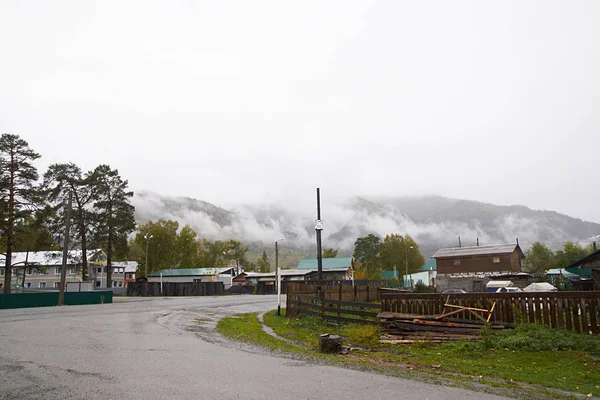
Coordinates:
x,y
278,277
147,237
63,272
319,228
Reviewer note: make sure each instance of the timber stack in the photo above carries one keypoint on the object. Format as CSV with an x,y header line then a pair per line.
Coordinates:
x,y
409,328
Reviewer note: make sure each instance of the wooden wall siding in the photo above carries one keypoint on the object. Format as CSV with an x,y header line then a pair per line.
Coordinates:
x,y
579,311
481,263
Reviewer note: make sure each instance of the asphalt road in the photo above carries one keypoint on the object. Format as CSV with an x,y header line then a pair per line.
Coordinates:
x,y
165,348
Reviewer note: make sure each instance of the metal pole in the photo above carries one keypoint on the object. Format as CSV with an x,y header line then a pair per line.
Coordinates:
x,y
63,272
319,228
406,260
278,274
146,266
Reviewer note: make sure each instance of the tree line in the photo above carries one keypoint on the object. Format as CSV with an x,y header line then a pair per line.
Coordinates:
x,y
168,246
33,213
540,258
395,252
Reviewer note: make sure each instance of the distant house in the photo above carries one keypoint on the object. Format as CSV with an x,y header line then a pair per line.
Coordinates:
x,y
224,275
127,268
587,271
505,258
585,265
42,269
328,263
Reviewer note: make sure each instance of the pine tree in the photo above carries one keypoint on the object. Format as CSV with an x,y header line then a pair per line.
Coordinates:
x,y
18,194
59,180
114,214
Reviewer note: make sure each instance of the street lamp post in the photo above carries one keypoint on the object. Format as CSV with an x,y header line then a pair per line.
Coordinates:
x,y
406,260
147,237
278,275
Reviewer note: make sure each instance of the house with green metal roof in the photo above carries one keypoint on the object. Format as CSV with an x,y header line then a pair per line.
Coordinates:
x,y
328,263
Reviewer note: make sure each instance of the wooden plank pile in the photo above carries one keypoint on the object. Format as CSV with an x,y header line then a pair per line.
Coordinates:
x,y
409,328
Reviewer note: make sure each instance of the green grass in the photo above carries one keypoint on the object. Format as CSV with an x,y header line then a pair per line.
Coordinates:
x,y
247,328
512,360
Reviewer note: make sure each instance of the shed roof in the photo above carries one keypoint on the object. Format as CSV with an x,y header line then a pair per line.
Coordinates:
x,y
328,263
190,271
477,251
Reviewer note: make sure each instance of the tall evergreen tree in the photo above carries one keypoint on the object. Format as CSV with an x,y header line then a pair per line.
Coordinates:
x,y
18,195
59,181
114,217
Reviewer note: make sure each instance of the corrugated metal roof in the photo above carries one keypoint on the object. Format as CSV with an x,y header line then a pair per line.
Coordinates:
x,y
430,265
190,271
292,272
52,258
475,251
328,263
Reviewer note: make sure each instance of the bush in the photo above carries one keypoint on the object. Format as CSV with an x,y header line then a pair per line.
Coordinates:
x,y
533,337
420,287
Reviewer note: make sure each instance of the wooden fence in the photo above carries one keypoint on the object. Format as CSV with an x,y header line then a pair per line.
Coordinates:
x,y
149,289
342,303
333,310
579,311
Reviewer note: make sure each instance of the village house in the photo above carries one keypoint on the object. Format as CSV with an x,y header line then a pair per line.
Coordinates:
x,y
42,269
471,268
497,259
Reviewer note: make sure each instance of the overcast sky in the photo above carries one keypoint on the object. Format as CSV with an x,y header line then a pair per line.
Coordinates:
x,y
245,101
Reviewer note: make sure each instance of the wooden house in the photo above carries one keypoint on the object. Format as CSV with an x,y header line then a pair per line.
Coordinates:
x,y
505,258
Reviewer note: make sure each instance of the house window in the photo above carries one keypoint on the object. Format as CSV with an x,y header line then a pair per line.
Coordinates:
x,y
42,285
129,276
456,262
496,260
99,270
57,271
56,285
120,283
114,283
1,271
27,284
29,271
97,283
72,271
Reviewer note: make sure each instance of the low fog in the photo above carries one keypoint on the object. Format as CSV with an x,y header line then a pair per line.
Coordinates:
x,y
355,217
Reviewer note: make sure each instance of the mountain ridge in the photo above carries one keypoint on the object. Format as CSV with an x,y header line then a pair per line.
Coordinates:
x,y
433,221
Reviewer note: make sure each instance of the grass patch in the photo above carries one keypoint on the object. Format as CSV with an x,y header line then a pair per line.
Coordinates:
x,y
529,361
531,354
247,328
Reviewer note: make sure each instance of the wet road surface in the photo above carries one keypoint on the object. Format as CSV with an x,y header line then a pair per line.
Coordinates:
x,y
165,348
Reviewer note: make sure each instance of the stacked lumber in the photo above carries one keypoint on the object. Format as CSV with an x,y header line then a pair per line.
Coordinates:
x,y
410,328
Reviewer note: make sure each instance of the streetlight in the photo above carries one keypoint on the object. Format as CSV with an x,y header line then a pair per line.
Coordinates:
x,y
406,259
147,237
278,277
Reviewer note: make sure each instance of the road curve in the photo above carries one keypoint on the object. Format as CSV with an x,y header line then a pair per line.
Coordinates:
x,y
165,348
